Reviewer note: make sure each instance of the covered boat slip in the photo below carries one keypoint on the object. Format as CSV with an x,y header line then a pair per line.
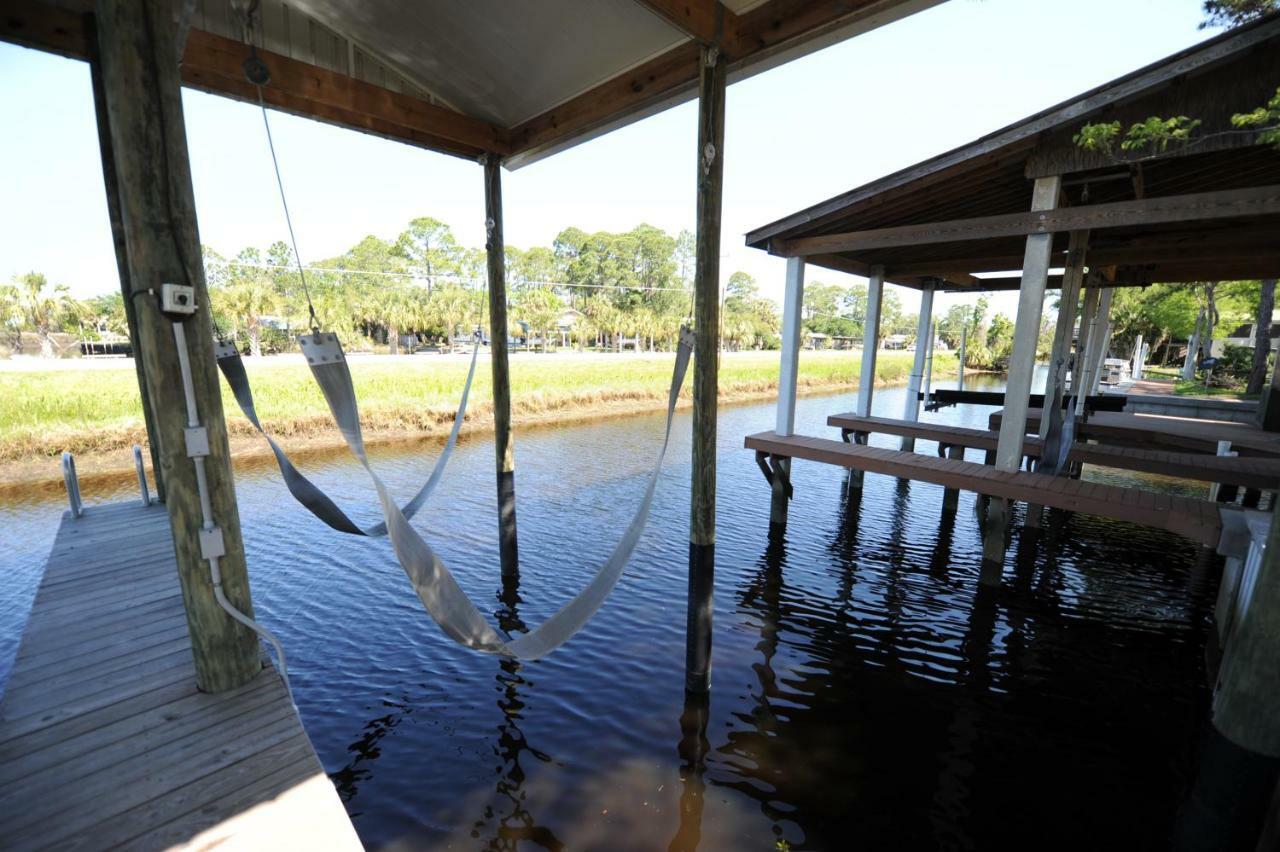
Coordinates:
x,y
1027,208
1098,219
105,740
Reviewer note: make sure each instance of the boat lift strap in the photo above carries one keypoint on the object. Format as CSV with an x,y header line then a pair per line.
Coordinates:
x,y
304,490
439,592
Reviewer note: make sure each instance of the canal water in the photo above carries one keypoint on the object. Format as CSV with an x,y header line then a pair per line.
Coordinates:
x,y
866,694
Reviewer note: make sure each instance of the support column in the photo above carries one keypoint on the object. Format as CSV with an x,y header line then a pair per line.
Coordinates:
x,y
143,106
1244,703
503,445
1193,349
870,341
1139,358
911,408
788,373
964,341
1068,311
1022,362
122,257
928,360
712,71
1103,326
1087,353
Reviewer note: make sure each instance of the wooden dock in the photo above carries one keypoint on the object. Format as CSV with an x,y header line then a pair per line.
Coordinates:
x,y
1198,520
104,739
1260,472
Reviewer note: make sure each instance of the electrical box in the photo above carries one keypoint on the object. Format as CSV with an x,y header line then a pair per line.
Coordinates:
x,y
177,299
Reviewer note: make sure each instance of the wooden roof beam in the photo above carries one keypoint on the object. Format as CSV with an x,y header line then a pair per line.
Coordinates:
x,y
749,39
213,64
706,21
1203,206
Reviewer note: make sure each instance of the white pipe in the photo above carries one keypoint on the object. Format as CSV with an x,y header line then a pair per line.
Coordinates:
x,y
206,508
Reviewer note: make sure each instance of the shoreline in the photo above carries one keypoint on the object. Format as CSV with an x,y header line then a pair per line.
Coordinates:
x,y
317,437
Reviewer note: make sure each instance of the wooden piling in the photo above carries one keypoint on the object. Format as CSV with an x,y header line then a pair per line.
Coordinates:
x,y
1026,333
702,529
143,107
911,408
1244,704
121,247
503,445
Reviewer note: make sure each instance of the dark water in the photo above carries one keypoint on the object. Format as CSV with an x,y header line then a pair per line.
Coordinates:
x,y
866,694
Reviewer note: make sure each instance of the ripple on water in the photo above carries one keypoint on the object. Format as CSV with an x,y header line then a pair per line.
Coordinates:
x,y
866,691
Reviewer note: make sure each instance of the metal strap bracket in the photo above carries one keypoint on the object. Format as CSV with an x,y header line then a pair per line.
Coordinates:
x,y
767,462
197,438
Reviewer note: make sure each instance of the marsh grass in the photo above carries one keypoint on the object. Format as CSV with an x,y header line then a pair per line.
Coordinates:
x,y
43,413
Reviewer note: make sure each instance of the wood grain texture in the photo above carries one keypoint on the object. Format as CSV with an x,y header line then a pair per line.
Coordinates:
x,y
1194,519
142,100
105,741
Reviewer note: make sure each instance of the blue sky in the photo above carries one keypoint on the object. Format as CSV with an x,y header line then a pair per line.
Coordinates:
x,y
794,136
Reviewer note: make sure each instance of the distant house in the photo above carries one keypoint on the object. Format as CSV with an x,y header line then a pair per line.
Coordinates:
x,y
567,322
894,341
1244,336
816,340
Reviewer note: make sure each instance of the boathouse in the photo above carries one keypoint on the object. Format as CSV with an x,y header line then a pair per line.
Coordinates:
x,y
1027,208
206,744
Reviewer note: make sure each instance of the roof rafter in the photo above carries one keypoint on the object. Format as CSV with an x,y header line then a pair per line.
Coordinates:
x,y
1201,206
695,18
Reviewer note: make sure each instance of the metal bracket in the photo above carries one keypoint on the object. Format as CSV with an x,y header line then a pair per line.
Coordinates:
x,y
321,348
766,463
854,436
223,349
211,544
197,438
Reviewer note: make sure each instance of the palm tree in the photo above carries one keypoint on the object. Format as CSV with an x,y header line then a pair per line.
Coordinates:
x,y
248,298
44,311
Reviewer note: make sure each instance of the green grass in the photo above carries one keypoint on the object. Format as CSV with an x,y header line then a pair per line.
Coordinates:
x,y
46,412
1197,388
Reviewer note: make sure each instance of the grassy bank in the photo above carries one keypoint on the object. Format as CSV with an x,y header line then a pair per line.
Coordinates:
x,y
96,409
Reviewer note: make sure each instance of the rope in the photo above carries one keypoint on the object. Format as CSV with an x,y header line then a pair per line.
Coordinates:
x,y
284,202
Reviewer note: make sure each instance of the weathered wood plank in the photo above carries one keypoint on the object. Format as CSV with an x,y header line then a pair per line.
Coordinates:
x,y
1253,472
1196,207
104,738
1185,516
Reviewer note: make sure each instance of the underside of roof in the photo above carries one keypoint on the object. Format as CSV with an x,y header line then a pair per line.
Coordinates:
x,y
932,224
519,80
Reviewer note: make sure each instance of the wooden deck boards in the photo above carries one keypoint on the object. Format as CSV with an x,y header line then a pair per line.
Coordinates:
x,y
1258,471
104,739
1181,515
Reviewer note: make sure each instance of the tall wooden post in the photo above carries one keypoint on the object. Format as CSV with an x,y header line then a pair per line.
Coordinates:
x,y
870,342
1068,311
911,408
140,88
122,256
706,310
788,377
1022,362
1246,701
788,372
503,446
964,342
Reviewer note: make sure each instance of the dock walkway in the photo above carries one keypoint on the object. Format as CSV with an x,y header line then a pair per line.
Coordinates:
x,y
1258,472
104,739
1198,520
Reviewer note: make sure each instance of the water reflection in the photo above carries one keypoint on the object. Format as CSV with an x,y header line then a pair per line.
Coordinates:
x,y
868,692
